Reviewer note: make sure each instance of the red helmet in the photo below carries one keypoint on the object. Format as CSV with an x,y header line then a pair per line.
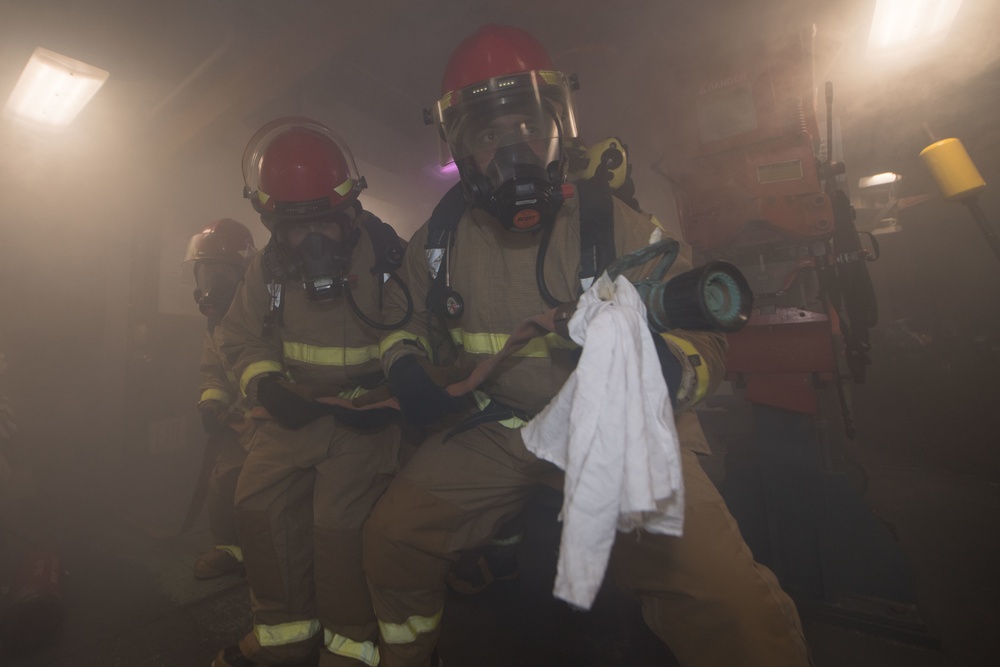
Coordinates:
x,y
493,50
298,168
505,115
223,240
497,68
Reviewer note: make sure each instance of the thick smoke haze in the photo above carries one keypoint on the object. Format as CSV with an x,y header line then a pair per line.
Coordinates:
x,y
100,332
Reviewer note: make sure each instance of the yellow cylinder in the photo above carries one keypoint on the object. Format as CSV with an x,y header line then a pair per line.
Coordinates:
x,y
952,169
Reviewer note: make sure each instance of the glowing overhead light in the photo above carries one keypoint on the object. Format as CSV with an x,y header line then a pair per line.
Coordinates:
x,y
884,178
900,24
53,89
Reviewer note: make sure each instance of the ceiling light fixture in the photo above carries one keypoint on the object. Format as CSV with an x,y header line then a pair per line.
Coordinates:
x,y
53,89
900,24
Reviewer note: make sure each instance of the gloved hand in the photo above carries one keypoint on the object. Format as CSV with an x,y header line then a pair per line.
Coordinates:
x,y
421,400
214,416
560,317
288,408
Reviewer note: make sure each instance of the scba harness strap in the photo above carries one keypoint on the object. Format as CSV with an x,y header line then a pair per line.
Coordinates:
x,y
597,240
597,251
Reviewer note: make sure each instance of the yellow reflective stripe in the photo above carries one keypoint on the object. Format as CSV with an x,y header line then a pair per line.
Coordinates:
x,y
255,369
214,395
491,343
482,400
398,336
330,356
507,541
366,652
656,222
408,631
702,379
344,187
232,550
286,633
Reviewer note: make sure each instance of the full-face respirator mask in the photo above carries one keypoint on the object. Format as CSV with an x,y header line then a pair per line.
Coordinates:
x,y
311,256
515,188
505,135
215,288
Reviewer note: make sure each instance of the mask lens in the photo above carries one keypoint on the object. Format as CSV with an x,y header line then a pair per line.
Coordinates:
x,y
215,286
323,263
500,143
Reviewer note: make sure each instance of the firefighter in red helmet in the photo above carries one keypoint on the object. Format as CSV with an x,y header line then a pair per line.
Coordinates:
x,y
302,335
505,134
220,253
514,251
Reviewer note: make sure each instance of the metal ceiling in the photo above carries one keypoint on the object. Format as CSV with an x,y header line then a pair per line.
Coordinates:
x,y
191,73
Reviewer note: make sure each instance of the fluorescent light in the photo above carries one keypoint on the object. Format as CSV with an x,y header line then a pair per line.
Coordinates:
x,y
878,179
903,23
53,88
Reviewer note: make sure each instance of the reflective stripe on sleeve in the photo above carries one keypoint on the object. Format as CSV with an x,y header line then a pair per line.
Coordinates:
x,y
398,336
286,633
214,395
491,343
255,369
694,361
366,652
330,356
408,631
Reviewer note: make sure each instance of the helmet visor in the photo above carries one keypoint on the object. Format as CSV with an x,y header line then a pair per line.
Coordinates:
x,y
532,108
210,245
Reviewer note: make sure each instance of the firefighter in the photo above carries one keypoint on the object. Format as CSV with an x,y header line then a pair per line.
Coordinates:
x,y
505,113
220,253
303,329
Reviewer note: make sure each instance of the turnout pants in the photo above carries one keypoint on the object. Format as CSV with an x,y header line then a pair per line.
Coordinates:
x,y
702,593
301,501
222,492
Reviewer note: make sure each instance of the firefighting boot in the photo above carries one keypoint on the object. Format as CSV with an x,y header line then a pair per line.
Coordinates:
x,y
215,563
232,656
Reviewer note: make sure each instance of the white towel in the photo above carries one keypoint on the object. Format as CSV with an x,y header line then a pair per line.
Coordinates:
x,y
611,428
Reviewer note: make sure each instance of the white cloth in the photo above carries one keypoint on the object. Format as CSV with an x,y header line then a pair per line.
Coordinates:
x,y
611,428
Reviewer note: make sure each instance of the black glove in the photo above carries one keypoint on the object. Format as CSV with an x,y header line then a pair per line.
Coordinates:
x,y
213,417
288,408
670,364
420,399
